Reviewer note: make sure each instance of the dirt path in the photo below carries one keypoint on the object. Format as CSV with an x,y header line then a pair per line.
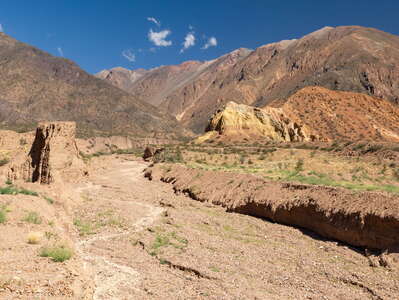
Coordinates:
x,y
113,280
146,242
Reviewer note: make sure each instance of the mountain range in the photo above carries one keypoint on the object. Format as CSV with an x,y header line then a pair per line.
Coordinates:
x,y
347,58
173,101
35,86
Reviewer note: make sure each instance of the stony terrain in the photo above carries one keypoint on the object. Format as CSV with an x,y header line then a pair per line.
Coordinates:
x,y
365,219
348,58
311,114
120,235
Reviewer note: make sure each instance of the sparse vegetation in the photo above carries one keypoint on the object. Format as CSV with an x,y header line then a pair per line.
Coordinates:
x,y
87,226
296,162
49,200
12,190
33,218
4,161
165,239
84,228
3,216
57,253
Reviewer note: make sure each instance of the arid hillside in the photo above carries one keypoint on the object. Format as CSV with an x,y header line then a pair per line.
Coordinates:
x,y
93,227
311,114
36,86
349,58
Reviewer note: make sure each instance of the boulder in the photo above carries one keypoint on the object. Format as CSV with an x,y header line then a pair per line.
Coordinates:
x,y
148,153
239,121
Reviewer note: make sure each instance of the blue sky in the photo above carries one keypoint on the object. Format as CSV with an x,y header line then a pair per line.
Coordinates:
x,y
99,34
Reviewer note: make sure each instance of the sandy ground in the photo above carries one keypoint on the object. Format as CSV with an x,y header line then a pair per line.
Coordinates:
x,y
142,241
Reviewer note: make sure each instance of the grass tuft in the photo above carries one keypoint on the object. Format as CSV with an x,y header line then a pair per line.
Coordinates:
x,y
57,253
12,190
33,218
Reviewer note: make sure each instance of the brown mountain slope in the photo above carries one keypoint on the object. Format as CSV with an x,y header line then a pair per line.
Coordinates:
x,y
37,86
311,114
349,58
121,77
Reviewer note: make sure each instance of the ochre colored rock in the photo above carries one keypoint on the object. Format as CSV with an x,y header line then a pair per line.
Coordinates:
x,y
54,150
238,121
311,114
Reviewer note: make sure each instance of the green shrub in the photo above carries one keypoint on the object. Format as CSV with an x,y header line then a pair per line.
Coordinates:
x,y
49,200
4,161
57,253
299,165
3,217
33,217
12,190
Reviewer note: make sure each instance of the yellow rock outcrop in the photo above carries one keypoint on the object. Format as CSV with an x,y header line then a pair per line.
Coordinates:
x,y
238,121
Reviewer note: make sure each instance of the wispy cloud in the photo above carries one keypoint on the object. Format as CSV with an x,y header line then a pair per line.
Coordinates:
x,y
155,21
60,51
189,41
159,38
1,28
212,42
129,55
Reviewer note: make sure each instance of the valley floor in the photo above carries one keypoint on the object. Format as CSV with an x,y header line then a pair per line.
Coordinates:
x,y
137,239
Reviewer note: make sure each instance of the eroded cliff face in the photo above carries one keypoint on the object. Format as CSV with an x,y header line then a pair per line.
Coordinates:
x,y
53,152
239,121
311,114
365,219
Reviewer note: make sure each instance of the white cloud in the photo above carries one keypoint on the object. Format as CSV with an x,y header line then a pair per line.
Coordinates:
x,y
155,21
60,52
189,41
129,55
1,28
159,38
212,42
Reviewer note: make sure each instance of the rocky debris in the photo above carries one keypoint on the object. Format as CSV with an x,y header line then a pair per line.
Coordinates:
x,y
334,115
311,114
53,151
365,219
151,153
239,121
148,153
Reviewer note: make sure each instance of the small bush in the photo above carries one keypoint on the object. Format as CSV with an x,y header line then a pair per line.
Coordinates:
x,y
3,217
299,165
12,190
34,238
57,253
49,200
33,217
4,161
84,228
